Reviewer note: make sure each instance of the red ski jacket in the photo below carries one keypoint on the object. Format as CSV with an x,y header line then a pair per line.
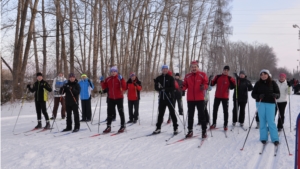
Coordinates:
x,y
224,83
115,87
134,88
192,83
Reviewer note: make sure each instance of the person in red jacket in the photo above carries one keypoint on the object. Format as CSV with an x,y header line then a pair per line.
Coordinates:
x,y
196,84
224,83
134,86
116,85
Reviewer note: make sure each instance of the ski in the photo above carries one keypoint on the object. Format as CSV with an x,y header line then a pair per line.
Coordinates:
x,y
31,133
202,141
117,133
43,130
67,133
243,128
275,150
173,135
96,135
263,148
34,129
152,134
183,139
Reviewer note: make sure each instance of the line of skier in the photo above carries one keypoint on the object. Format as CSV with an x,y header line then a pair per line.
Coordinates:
x,y
269,96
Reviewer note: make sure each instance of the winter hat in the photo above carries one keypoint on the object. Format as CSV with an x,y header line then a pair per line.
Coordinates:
x,y
39,74
83,75
177,74
243,72
282,74
226,67
132,74
71,75
195,62
114,69
265,71
165,67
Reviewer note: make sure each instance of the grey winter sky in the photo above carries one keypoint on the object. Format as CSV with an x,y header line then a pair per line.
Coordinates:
x,y
270,22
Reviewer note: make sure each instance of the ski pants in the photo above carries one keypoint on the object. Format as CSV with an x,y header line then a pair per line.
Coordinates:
x,y
133,115
40,107
206,113
201,114
281,106
179,101
217,102
161,111
56,105
235,110
86,109
266,116
113,111
74,108
112,103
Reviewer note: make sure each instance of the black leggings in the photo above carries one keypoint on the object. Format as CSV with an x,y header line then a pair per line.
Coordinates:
x,y
112,103
281,107
217,102
242,106
201,113
40,107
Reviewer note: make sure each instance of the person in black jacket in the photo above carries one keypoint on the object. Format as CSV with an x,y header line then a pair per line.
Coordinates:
x,y
265,92
41,89
72,90
165,85
241,93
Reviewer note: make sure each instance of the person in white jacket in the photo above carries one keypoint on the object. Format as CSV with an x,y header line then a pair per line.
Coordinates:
x,y
58,82
282,100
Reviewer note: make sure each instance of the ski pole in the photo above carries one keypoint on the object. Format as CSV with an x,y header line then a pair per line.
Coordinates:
x,y
283,129
100,110
208,101
95,109
248,106
153,106
79,108
20,109
236,102
53,114
251,125
290,111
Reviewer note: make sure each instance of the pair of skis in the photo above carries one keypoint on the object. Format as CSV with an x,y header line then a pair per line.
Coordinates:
x,y
264,147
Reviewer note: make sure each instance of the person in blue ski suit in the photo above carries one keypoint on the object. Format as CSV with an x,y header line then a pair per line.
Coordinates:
x,y
85,96
265,92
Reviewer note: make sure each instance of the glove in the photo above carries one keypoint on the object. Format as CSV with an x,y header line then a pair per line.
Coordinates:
x,y
236,75
101,78
210,77
275,95
28,86
209,88
120,77
202,87
261,96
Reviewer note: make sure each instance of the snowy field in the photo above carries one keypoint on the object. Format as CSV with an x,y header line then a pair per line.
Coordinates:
x,y
44,150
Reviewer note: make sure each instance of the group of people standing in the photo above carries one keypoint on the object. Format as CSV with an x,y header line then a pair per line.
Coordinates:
x,y
269,96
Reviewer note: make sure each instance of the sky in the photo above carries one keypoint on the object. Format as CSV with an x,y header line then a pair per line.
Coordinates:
x,y
269,22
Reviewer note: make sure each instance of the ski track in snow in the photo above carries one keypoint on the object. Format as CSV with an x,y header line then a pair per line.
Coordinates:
x,y
42,150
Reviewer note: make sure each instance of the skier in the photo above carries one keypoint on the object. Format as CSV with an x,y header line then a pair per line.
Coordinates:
x,y
265,92
72,90
178,94
282,100
41,89
196,83
134,86
116,85
106,91
243,86
165,84
224,83
58,82
86,87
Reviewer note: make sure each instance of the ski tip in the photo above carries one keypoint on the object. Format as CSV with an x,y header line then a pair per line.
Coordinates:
x,y
241,149
291,154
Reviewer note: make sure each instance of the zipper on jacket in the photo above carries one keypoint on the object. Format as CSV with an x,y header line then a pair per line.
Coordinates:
x,y
37,95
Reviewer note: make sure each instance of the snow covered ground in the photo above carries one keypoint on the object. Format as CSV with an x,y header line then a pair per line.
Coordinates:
x,y
43,150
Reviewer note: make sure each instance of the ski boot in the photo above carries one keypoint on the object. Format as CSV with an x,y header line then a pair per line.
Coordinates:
x,y
122,129
47,125
204,135
107,130
213,126
39,125
157,131
189,134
